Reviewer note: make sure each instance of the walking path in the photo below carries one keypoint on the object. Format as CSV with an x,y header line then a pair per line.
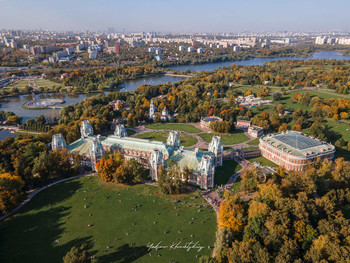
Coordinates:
x,y
213,197
200,143
35,192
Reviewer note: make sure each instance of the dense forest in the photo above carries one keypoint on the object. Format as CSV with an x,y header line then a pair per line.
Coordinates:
x,y
290,217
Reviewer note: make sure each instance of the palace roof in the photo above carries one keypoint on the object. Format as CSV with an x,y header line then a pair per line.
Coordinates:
x,y
298,144
189,158
137,144
82,146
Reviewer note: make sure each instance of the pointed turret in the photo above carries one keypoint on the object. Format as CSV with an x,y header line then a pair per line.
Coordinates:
x,y
152,110
217,149
58,142
156,161
120,131
86,129
96,152
173,139
206,170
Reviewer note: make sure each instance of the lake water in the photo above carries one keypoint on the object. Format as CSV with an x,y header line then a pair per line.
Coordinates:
x,y
259,61
4,134
15,104
131,85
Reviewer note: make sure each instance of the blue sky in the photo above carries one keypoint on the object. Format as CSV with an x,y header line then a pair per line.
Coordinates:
x,y
179,15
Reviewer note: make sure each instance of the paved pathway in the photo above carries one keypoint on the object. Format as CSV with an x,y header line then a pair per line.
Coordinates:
x,y
34,192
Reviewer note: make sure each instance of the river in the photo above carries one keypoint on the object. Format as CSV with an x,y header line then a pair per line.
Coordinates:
x,y
15,104
258,61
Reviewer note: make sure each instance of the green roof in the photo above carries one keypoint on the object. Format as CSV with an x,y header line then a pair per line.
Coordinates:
x,y
82,146
297,143
188,158
138,144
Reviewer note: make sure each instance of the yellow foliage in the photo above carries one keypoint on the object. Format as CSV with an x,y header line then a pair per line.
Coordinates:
x,y
257,208
229,209
270,191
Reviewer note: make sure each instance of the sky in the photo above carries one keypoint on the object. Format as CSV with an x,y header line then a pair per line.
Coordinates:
x,y
176,15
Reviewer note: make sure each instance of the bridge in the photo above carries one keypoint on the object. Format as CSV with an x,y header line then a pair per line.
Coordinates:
x,y
9,128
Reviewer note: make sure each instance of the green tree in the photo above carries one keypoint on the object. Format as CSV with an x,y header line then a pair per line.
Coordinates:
x,y
77,255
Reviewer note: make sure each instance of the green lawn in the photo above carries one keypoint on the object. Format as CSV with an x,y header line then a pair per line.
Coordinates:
x,y
130,132
236,186
250,148
174,126
46,83
342,127
342,153
186,139
226,139
346,211
228,148
254,142
261,160
224,172
122,224
287,100
18,84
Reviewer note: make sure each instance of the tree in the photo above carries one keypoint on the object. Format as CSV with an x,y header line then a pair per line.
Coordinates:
x,y
10,191
133,171
77,255
55,164
230,213
170,180
106,169
13,120
277,96
283,127
344,115
224,238
215,94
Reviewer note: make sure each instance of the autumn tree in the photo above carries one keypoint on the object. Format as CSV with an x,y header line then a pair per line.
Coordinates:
x,y
10,191
230,213
77,255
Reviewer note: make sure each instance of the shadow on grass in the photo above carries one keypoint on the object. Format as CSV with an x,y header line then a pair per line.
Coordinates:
x,y
125,254
33,234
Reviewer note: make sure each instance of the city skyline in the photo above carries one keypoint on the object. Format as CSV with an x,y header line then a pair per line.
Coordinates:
x,y
179,16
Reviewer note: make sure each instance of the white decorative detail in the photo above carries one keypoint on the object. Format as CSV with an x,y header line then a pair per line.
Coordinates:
x,y
217,149
152,110
86,129
58,142
156,161
120,131
173,139
96,152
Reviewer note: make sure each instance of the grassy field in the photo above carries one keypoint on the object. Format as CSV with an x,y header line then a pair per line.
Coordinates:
x,y
262,160
38,82
186,139
46,83
226,139
130,132
18,84
224,172
250,148
174,126
342,127
254,142
287,100
123,219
